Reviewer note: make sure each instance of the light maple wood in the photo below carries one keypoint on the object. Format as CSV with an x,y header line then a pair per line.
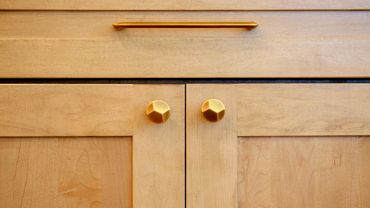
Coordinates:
x,y
159,150
211,156
306,172
66,110
286,170
285,44
183,5
303,109
65,172
40,116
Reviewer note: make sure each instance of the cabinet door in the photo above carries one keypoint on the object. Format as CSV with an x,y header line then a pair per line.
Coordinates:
x,y
90,146
279,146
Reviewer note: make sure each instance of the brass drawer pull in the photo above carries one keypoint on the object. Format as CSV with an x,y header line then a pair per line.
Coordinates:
x,y
158,111
246,25
213,109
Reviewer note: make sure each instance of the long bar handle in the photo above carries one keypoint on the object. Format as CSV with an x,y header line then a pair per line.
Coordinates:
x,y
246,25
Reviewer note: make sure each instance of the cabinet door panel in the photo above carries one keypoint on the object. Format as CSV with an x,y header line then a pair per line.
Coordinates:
x,y
280,145
286,172
90,146
66,172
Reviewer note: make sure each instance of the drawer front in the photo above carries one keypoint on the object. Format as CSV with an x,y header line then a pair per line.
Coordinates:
x,y
285,44
279,146
184,4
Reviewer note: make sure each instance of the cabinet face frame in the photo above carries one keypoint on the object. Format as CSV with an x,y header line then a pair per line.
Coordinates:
x,y
110,110
263,110
188,5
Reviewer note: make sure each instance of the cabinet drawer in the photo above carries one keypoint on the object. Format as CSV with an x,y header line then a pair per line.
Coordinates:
x,y
285,44
184,4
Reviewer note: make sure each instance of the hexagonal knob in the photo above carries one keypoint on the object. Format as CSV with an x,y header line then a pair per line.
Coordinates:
x,y
213,110
158,111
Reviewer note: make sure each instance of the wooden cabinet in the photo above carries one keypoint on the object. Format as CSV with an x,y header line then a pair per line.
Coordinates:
x,y
279,146
70,146
91,144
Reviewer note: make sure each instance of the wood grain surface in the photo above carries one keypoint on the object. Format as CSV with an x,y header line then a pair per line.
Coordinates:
x,y
66,110
159,149
66,172
285,44
184,5
211,150
45,163
303,109
313,158
306,172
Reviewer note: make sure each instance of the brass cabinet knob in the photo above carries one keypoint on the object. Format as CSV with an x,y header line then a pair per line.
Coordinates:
x,y
158,111
213,110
